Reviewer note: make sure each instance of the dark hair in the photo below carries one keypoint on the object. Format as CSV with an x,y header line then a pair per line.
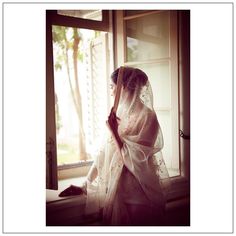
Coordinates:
x,y
140,78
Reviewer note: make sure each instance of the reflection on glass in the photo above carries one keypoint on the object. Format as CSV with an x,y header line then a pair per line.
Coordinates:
x,y
148,37
159,77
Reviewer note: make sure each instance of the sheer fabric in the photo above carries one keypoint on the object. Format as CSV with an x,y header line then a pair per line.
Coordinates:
x,y
131,183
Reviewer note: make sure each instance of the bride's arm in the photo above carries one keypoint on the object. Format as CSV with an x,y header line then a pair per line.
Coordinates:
x,y
92,174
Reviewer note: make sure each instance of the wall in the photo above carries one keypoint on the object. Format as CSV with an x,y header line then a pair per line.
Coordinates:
x,y
184,88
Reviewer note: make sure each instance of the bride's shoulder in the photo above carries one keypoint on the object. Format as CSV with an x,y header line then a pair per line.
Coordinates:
x,y
148,112
148,115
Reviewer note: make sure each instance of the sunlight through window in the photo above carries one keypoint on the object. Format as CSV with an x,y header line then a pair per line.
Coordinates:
x,y
80,92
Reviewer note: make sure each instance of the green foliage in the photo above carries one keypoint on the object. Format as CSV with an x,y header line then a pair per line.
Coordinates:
x,y
58,122
58,66
97,34
58,34
63,40
60,59
66,154
80,56
58,117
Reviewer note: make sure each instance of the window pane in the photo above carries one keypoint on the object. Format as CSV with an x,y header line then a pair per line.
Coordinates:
x,y
96,93
164,118
159,77
85,14
165,123
148,48
148,37
79,62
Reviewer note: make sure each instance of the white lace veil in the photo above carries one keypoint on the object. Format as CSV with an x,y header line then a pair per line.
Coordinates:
x,y
142,138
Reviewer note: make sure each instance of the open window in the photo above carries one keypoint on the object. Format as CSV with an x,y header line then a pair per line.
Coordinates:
x,y
148,40
158,41
81,98
77,88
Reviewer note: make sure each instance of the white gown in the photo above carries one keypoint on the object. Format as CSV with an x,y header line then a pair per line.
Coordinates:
x,y
128,187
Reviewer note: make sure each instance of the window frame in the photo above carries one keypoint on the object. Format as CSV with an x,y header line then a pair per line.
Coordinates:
x,y
69,21
181,183
53,18
172,59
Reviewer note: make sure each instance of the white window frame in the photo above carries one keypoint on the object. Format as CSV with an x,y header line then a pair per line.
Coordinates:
x,y
180,67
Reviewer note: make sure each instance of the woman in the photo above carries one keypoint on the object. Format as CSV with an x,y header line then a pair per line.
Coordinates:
x,y
126,181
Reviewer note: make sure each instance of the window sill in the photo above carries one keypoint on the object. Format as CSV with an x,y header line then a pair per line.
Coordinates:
x,y
75,165
73,171
66,211
52,195
69,211
180,188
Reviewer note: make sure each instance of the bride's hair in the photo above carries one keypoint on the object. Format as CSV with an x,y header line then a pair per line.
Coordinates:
x,y
132,78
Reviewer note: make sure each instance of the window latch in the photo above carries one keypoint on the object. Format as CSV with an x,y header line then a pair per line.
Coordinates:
x,y
184,136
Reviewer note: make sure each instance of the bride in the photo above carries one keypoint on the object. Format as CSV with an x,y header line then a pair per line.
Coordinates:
x,y
127,181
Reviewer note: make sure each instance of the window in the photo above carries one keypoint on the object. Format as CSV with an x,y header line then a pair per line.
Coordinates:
x,y
80,84
77,87
149,42
155,41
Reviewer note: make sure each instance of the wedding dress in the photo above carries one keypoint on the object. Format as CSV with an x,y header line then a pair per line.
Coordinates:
x,y
131,184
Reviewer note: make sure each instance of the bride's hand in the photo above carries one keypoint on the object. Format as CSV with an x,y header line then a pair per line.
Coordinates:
x,y
113,121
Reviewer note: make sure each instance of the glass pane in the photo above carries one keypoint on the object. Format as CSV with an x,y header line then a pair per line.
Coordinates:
x,y
148,37
159,77
85,14
164,118
77,54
